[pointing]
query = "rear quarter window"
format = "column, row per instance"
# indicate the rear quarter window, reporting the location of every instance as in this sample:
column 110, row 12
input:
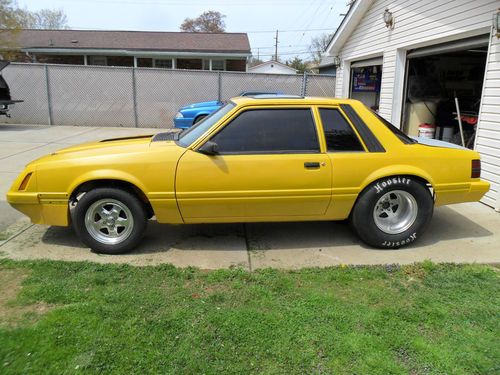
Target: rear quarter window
column 339, row 134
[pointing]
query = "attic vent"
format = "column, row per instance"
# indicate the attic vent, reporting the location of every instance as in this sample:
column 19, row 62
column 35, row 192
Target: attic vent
column 74, row 41
column 51, row 43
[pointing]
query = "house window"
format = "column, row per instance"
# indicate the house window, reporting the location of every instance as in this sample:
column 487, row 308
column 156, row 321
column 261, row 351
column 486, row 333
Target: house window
column 206, row 64
column 163, row 63
column 194, row 64
column 97, row 60
column 218, row 65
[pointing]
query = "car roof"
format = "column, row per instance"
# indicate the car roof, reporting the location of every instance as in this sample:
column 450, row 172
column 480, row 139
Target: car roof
column 288, row 99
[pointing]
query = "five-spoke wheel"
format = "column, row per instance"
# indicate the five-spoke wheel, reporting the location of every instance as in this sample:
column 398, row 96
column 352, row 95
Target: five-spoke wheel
column 109, row 220
column 392, row 212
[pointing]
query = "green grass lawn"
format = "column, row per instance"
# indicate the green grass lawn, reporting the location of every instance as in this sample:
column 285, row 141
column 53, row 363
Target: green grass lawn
column 58, row 317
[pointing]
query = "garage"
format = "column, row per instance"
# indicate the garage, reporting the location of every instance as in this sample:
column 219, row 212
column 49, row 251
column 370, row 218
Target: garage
column 443, row 85
column 440, row 68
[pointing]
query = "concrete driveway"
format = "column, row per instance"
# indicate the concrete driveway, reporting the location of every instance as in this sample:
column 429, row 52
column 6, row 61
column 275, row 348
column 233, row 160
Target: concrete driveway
column 462, row 233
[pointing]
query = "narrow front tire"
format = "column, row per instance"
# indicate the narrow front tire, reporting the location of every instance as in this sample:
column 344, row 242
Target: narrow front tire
column 109, row 220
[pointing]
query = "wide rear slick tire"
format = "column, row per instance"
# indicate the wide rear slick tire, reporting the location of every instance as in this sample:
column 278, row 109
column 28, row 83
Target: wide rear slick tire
column 109, row 220
column 392, row 212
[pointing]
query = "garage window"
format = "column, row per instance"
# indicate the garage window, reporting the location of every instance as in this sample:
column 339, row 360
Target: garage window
column 269, row 131
column 339, row 134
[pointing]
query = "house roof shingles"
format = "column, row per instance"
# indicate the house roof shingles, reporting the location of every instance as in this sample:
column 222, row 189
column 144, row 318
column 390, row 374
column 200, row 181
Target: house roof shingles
column 134, row 40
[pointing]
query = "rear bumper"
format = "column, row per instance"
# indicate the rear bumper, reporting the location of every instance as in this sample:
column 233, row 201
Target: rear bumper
column 459, row 193
column 49, row 209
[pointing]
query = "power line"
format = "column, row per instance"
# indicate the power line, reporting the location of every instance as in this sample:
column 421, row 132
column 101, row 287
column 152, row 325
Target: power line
column 247, row 32
column 175, row 2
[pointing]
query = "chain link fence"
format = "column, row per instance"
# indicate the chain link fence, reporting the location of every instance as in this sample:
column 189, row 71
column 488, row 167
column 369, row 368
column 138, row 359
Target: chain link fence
column 134, row 97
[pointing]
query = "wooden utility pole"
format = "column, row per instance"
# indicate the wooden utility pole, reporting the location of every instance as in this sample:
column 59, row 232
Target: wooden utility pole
column 276, row 47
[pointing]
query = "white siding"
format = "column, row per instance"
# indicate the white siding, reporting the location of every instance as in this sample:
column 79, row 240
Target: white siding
column 488, row 134
column 417, row 23
column 420, row 23
column 272, row 68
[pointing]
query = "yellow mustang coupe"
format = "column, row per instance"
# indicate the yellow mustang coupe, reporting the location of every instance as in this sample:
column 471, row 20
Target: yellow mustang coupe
column 256, row 159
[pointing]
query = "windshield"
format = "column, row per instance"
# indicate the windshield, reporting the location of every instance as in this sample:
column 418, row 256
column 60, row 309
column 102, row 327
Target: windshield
column 398, row 133
column 190, row 135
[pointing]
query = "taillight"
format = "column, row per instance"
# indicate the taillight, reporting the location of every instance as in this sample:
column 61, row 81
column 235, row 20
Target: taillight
column 476, row 169
column 25, row 182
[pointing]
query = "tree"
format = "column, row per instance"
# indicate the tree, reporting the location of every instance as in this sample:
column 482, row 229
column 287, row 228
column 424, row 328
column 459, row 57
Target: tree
column 253, row 61
column 318, row 46
column 208, row 22
column 13, row 19
column 10, row 25
column 298, row 64
column 44, row 19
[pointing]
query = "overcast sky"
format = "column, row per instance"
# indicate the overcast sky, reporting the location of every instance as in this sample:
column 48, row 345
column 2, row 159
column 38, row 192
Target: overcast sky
column 256, row 17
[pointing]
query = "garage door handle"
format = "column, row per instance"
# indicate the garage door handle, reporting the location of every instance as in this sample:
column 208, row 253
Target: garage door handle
column 311, row 165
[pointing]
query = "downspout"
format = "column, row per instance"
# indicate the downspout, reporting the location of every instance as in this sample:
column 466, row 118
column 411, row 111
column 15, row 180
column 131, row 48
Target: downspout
column 32, row 58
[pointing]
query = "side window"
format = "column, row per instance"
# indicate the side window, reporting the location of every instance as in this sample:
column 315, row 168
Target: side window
column 269, row 131
column 338, row 133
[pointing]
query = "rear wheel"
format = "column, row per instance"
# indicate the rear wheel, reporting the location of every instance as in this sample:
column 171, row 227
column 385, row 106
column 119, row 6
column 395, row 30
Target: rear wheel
column 392, row 212
column 110, row 221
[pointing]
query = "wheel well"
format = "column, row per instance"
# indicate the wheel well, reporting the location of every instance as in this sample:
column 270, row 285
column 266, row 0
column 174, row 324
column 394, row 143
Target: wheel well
column 422, row 180
column 198, row 116
column 117, row 184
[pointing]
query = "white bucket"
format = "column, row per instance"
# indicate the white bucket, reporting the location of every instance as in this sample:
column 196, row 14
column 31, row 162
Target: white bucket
column 426, row 130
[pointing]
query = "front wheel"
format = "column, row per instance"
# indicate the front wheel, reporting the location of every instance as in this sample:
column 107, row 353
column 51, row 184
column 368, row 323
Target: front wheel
column 109, row 221
column 392, row 212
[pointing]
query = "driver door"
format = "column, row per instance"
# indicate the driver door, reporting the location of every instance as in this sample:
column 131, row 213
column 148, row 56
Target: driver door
column 268, row 167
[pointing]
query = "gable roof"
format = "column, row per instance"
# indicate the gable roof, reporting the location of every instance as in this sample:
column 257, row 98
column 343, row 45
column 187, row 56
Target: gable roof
column 272, row 62
column 134, row 40
column 347, row 26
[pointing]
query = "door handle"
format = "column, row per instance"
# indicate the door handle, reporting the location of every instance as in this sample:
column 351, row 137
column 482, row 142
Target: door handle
column 311, row 165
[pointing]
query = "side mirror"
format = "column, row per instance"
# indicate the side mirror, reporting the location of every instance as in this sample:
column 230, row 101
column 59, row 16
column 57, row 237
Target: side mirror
column 209, row 148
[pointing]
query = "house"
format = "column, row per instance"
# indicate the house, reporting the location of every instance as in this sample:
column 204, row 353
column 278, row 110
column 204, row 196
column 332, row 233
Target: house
column 409, row 60
column 328, row 65
column 272, row 67
column 168, row 50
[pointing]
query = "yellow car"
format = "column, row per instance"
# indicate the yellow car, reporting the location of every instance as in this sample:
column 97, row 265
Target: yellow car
column 256, row 159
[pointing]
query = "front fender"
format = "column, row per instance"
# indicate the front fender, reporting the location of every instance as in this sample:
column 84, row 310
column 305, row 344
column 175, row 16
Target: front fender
column 106, row 174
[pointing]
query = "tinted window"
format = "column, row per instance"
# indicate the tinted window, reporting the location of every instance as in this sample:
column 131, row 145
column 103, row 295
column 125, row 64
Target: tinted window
column 190, row 135
column 269, row 131
column 338, row 133
column 398, row 133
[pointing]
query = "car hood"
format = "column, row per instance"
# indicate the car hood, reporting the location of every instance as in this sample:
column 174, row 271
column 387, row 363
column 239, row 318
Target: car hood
column 110, row 144
column 212, row 103
column 114, row 146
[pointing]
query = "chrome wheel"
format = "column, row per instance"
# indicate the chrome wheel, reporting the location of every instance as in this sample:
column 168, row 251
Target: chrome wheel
column 395, row 212
column 109, row 221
